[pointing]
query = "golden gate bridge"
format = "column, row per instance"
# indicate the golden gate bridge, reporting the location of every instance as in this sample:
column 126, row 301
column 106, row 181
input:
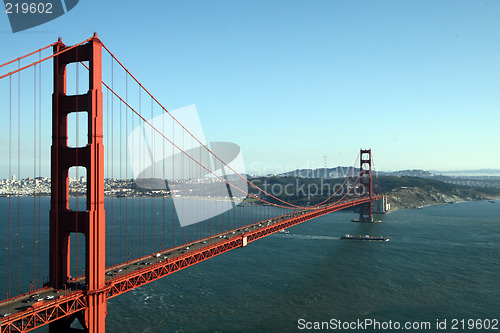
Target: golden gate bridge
column 117, row 257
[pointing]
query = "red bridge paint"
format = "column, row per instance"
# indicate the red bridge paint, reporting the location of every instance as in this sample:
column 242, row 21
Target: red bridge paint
column 64, row 221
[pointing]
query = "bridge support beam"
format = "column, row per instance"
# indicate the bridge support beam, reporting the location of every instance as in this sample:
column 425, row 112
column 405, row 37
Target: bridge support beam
column 64, row 221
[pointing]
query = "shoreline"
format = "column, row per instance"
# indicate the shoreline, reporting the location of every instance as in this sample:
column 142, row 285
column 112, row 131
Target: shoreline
column 493, row 198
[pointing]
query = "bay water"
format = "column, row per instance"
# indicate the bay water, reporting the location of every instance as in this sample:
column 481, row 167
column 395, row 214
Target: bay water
column 442, row 263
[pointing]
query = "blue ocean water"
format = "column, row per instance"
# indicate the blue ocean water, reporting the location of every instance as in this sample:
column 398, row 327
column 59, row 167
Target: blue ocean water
column 443, row 262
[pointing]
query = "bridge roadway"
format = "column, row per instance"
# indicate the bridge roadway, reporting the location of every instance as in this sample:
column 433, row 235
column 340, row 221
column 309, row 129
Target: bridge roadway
column 26, row 312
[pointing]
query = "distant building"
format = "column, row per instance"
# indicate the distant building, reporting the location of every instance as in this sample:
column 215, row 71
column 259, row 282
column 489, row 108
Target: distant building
column 381, row 206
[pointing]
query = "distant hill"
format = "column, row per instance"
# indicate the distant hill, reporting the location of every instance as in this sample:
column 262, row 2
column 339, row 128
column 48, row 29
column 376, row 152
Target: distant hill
column 403, row 192
column 325, row 173
column 407, row 173
column 471, row 178
column 341, row 172
column 413, row 192
column 476, row 172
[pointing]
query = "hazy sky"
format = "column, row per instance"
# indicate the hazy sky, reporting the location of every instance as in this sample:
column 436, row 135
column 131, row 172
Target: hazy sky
column 293, row 81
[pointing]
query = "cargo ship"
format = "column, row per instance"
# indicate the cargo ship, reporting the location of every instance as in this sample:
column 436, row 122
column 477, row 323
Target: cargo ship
column 365, row 237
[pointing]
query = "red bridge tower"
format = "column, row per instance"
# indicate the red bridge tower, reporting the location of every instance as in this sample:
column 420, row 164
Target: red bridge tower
column 365, row 176
column 64, row 221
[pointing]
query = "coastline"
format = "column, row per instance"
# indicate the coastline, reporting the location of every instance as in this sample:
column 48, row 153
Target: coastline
column 492, row 198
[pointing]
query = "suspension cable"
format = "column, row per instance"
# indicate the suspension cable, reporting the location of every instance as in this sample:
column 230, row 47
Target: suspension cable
column 27, row 55
column 46, row 58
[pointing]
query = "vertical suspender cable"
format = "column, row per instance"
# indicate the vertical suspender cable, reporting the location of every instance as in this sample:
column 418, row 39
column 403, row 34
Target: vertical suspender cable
column 238, row 216
column 126, row 182
column 133, row 202
column 120, row 253
column 201, row 202
column 141, row 221
column 112, row 182
column 163, row 182
column 191, row 212
column 141, row 200
column 152, row 175
column 209, row 197
column 201, row 199
column 19, row 176
column 34, row 177
column 183, row 239
column 39, row 164
column 139, row 188
column 122, row 183
column 171, row 187
column 10, row 185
